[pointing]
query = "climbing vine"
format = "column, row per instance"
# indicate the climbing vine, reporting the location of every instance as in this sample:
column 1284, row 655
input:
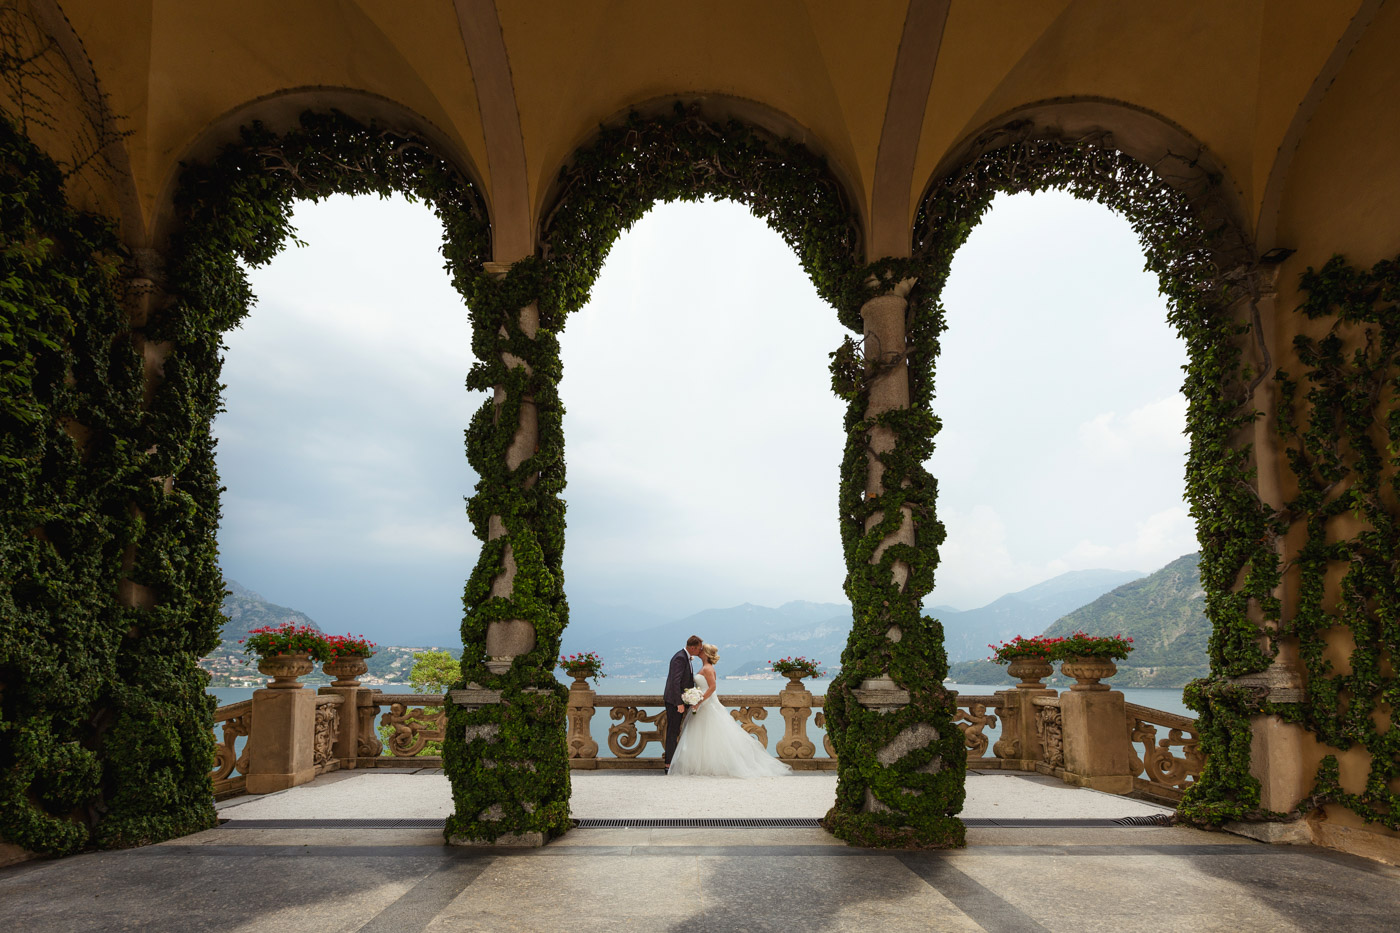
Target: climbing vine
column 237, row 210
column 1343, row 437
column 122, row 727
column 106, row 735
column 508, row 760
column 69, row 389
column 1204, row 269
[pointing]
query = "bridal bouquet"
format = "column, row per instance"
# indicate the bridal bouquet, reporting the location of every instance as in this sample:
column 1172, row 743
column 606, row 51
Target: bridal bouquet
column 691, row 696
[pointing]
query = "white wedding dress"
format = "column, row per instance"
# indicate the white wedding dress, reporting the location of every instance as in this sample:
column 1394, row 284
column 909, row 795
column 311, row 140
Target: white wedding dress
column 713, row 743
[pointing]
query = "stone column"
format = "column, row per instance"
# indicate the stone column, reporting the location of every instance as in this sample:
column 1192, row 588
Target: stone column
column 281, row 741
column 889, row 717
column 507, row 639
column 1277, row 756
column 884, row 318
column 504, row 749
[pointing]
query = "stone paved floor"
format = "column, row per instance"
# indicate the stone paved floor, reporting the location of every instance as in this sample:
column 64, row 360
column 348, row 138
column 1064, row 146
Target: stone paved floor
column 597, row 794
column 1076, row 880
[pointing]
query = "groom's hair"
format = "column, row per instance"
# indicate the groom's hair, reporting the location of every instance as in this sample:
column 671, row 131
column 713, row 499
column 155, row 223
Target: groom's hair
column 694, row 641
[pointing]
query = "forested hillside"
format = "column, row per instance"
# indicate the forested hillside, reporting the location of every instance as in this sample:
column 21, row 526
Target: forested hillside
column 1164, row 614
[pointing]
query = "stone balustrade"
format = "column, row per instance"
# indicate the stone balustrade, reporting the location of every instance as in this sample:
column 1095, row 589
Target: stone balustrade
column 1086, row 738
column 640, row 720
column 1158, row 772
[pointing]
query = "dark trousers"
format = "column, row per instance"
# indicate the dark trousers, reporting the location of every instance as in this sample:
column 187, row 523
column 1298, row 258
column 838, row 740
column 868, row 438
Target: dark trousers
column 674, row 720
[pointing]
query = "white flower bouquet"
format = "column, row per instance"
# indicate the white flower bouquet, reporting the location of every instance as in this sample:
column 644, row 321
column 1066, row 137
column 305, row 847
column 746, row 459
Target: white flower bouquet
column 691, row 696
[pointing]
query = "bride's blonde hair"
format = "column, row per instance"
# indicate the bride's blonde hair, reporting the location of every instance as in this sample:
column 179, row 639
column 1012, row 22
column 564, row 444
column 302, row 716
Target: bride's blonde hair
column 710, row 652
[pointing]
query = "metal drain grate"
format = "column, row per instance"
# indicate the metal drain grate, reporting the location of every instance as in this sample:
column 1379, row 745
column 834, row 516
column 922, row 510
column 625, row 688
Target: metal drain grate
column 756, row 822
column 1032, row 822
column 1158, row 819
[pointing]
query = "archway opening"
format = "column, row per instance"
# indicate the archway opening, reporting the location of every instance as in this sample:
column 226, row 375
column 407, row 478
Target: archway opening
column 1061, row 466
column 704, row 447
column 1192, row 240
column 340, row 442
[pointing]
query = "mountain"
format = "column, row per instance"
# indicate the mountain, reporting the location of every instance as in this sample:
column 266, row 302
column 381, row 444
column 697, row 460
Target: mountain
column 246, row 610
column 747, row 636
column 229, row 665
column 1164, row 614
column 636, row 643
column 967, row 634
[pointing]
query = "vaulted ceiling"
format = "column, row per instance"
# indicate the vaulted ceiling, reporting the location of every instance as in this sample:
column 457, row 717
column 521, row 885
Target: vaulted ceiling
column 886, row 89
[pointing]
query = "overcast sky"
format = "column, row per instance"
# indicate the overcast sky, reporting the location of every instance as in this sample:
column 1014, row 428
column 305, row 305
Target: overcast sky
column 703, row 441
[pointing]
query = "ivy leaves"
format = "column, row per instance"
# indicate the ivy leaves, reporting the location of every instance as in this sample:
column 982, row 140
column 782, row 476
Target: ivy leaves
column 1343, row 447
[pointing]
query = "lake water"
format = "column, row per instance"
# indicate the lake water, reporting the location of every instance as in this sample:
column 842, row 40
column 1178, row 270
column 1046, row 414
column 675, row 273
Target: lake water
column 1162, row 698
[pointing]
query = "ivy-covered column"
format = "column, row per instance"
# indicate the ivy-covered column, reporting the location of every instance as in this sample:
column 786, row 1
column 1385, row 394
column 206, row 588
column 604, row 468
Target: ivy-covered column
column 1277, row 740
column 901, row 758
column 505, row 751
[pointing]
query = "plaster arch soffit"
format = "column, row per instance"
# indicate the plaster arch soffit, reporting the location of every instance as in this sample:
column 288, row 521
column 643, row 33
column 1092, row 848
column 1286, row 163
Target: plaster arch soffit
column 512, row 237
column 910, row 85
column 1179, row 159
column 281, row 112
column 1267, row 225
column 51, row 18
column 765, row 120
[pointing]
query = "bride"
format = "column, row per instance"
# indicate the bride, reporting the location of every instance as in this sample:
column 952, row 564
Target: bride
column 713, row 742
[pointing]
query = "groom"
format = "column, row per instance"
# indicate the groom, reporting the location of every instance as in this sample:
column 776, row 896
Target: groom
column 678, row 679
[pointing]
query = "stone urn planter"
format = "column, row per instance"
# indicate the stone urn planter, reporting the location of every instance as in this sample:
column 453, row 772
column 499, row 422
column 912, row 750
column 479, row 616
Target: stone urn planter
column 284, row 669
column 1087, row 672
column 795, row 682
column 346, row 671
column 1030, row 671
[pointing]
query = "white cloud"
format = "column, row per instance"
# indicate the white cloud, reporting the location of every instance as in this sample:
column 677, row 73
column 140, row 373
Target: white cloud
column 703, row 441
column 1154, row 428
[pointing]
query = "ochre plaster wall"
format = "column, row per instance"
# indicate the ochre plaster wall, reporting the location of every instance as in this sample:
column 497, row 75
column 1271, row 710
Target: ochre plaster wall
column 575, row 67
column 172, row 68
column 1342, row 196
column 1231, row 75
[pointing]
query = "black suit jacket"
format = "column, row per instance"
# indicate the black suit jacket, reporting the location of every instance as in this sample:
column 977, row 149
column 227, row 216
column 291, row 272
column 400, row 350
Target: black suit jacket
column 678, row 679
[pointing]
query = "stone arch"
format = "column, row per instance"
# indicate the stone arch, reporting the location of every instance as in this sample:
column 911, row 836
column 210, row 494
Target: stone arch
column 231, row 206
column 92, row 134
column 1193, row 228
column 646, row 143
column 1168, row 152
column 718, row 110
column 508, row 721
column 281, row 113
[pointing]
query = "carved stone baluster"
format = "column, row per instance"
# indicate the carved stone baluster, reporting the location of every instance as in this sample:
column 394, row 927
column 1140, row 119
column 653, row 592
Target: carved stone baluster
column 1170, row 775
column 414, row 726
column 820, row 722
column 367, row 744
column 1049, row 730
column 1019, row 746
column 236, row 720
column 625, row 740
column 326, row 733
column 795, row 703
column 583, row 750
column 745, row 716
column 973, row 722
